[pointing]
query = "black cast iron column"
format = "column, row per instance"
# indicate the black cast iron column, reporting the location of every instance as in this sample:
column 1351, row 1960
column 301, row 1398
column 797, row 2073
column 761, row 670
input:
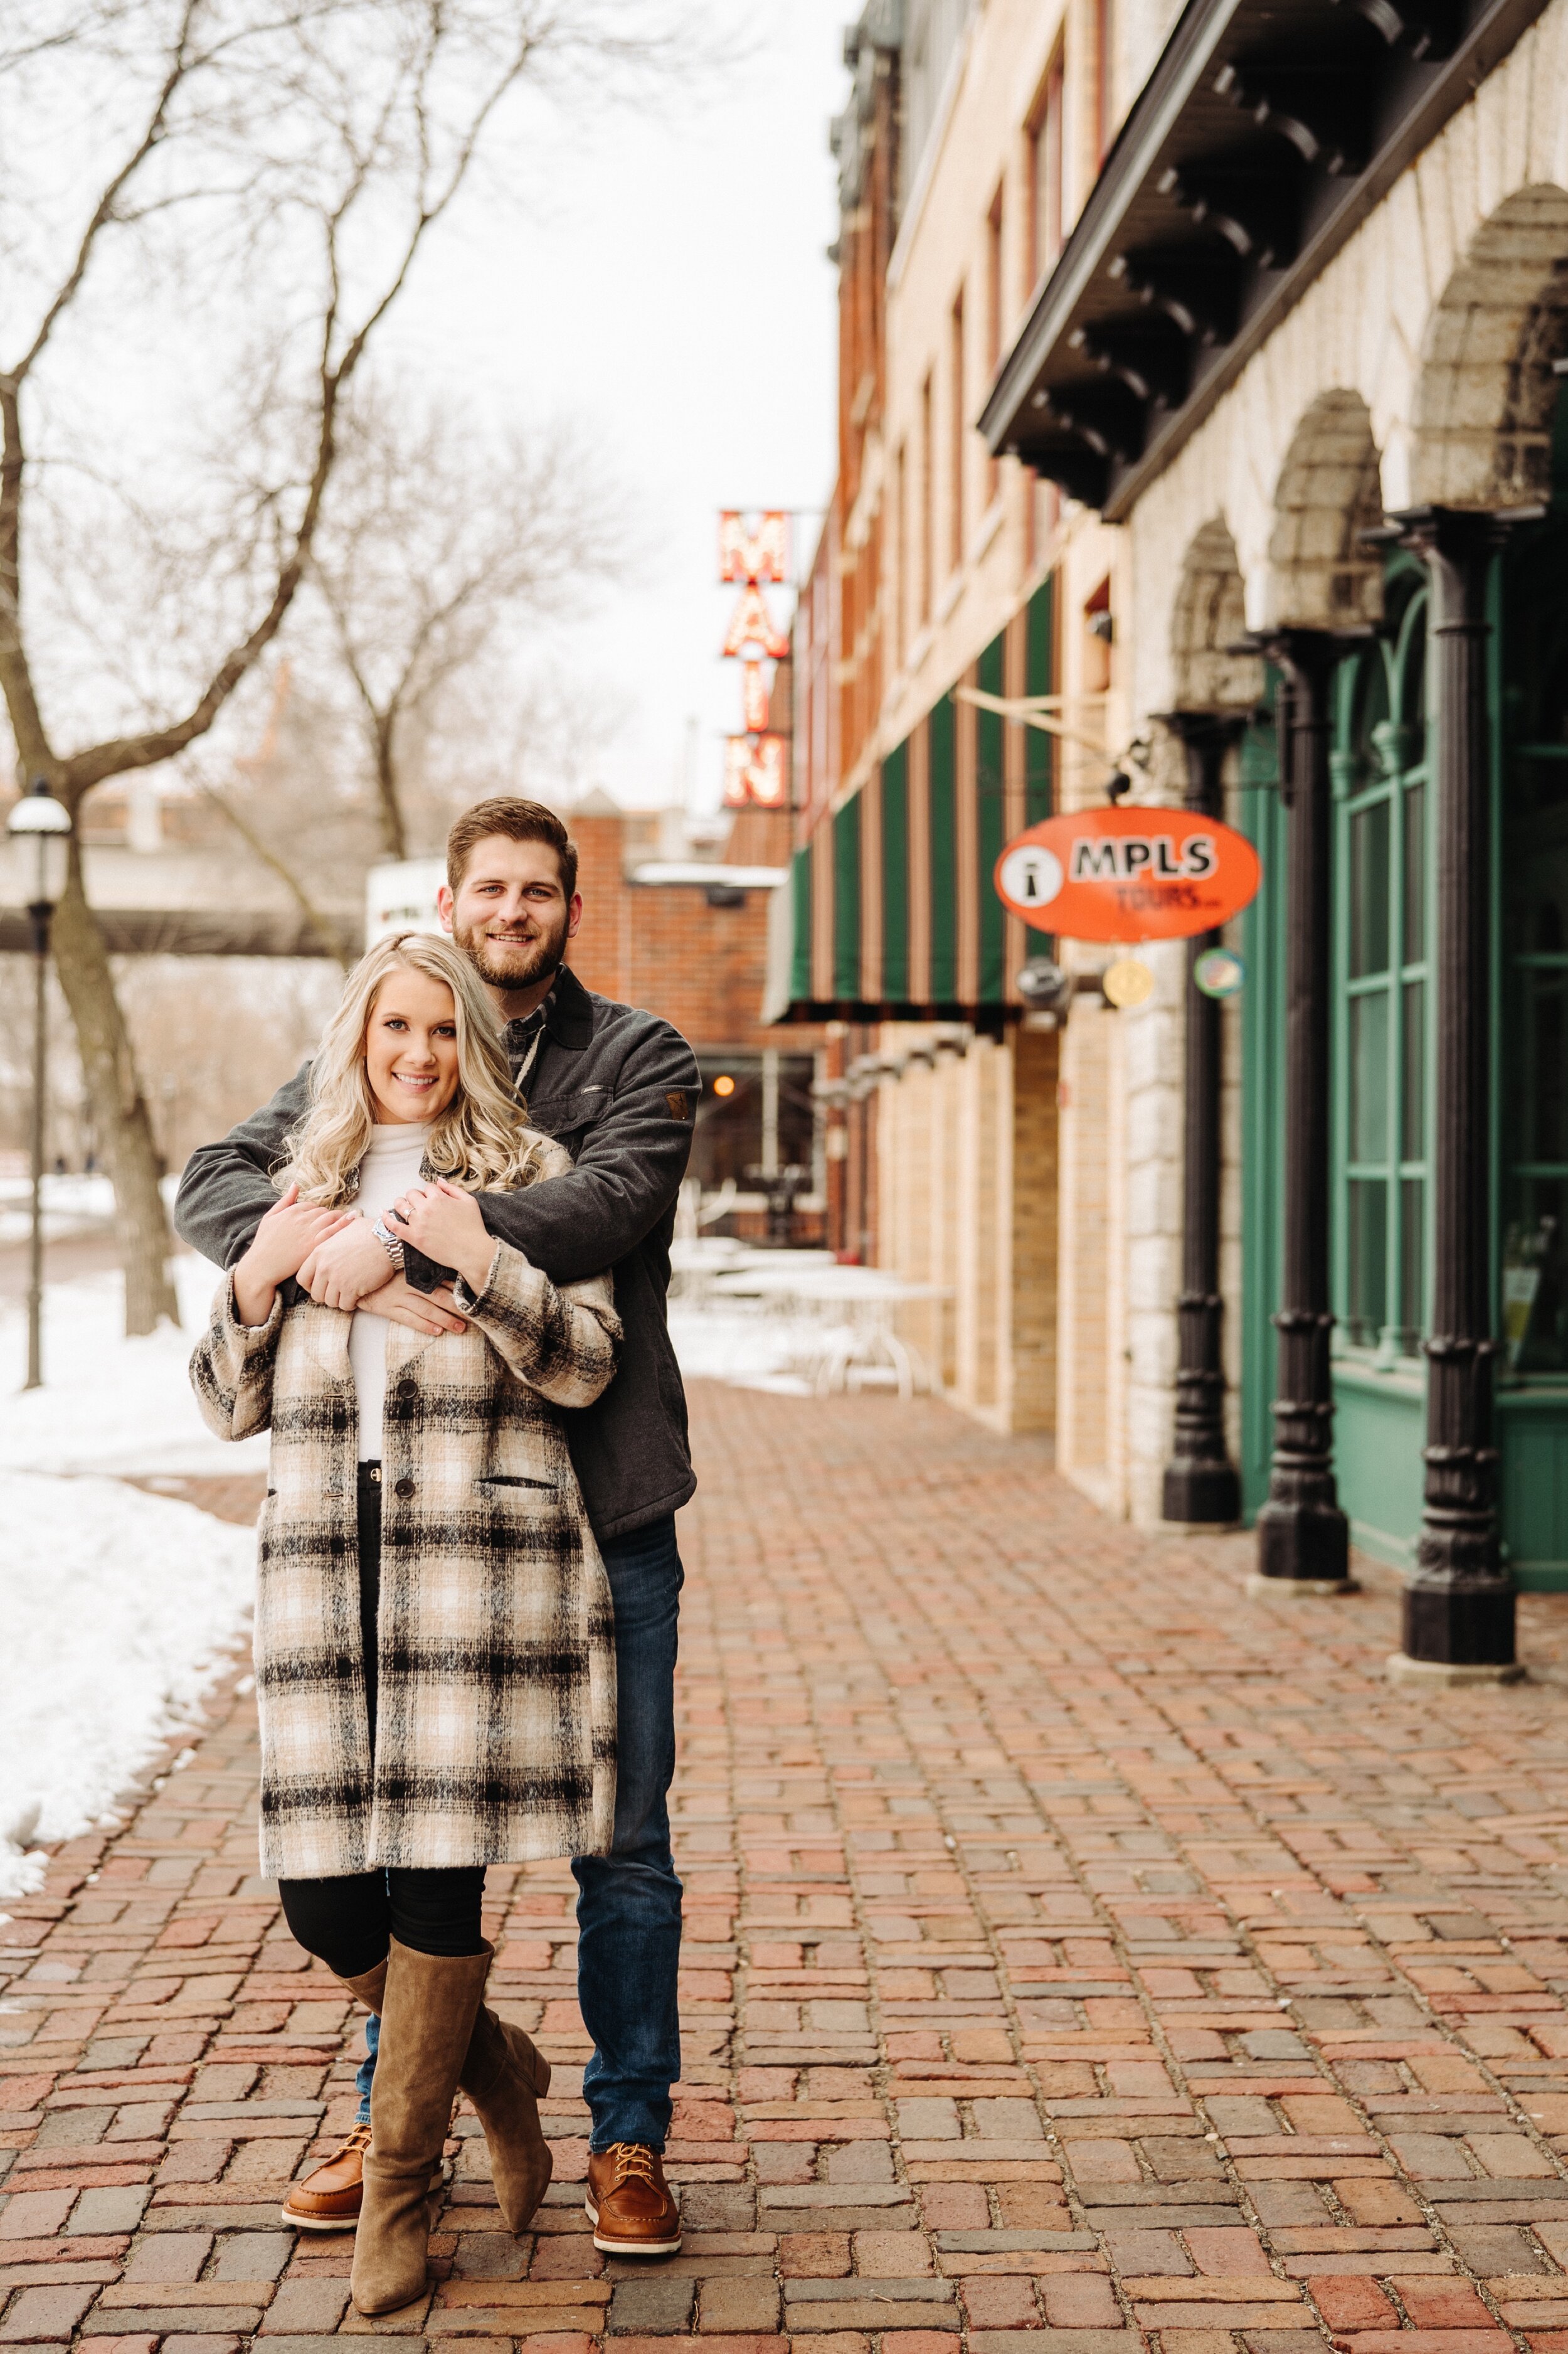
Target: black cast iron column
column 1459, row 1607
column 1303, row 1537
column 1200, row 1485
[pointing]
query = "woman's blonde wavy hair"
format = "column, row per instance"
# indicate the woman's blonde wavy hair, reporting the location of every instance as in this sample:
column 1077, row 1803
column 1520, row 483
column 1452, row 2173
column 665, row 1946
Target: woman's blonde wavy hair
column 479, row 1140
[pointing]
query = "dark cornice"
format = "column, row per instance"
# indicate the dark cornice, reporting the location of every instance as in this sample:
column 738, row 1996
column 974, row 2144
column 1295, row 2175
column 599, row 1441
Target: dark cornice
column 1263, row 138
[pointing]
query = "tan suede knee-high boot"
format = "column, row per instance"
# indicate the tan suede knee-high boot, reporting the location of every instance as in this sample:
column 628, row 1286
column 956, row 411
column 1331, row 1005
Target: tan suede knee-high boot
column 427, row 2010
column 506, row 2078
column 368, row 1988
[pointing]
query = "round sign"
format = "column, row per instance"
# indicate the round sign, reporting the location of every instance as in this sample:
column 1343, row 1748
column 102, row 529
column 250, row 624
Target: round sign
column 1126, row 982
column 1029, row 876
column 1219, row 973
column 1127, row 873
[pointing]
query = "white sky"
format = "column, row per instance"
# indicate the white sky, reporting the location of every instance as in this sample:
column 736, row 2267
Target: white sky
column 663, row 281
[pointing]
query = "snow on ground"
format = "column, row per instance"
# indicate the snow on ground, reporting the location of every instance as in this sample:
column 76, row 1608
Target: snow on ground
column 108, row 1404
column 118, row 1610
column 73, row 1206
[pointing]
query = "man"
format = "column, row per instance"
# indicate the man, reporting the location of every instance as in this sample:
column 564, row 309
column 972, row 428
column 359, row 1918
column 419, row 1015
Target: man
column 619, row 1088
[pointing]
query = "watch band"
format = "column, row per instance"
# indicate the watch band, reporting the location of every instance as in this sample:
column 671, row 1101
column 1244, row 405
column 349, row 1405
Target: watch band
column 388, row 1241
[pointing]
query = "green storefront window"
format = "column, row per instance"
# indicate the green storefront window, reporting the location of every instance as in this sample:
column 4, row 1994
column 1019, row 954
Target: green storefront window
column 1382, row 1042
column 1533, row 898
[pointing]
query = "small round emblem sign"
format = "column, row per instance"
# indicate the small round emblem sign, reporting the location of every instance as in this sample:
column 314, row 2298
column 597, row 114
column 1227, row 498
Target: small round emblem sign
column 1128, row 982
column 1219, row 973
column 1129, row 873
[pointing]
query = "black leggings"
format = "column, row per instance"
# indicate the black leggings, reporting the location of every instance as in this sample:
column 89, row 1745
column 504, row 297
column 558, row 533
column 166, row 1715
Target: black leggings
column 348, row 1921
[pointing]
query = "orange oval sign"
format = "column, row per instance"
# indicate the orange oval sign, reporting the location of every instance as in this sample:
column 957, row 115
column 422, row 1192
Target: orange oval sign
column 1127, row 874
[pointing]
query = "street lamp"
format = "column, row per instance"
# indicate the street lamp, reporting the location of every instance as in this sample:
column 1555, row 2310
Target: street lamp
column 40, row 828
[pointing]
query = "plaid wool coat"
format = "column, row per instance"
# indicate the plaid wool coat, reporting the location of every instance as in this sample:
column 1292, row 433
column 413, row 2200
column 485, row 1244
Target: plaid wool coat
column 495, row 1712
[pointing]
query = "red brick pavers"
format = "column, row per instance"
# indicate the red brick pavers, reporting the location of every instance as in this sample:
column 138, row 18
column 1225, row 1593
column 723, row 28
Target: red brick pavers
column 1078, row 1954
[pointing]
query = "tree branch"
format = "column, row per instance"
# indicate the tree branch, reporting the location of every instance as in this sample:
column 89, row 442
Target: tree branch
column 82, row 770
column 103, row 211
column 325, row 930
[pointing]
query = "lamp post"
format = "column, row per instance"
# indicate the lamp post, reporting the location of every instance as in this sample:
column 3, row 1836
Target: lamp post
column 40, row 828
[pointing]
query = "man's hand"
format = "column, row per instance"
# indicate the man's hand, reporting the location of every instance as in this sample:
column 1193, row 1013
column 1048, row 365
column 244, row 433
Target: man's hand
column 422, row 1311
column 346, row 1266
column 290, row 1232
column 445, row 1224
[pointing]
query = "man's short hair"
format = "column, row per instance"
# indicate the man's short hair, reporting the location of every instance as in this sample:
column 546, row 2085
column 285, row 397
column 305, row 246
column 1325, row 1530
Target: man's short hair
column 519, row 820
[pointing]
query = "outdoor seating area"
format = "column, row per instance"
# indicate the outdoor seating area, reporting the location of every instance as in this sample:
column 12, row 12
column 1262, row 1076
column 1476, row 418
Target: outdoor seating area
column 795, row 1321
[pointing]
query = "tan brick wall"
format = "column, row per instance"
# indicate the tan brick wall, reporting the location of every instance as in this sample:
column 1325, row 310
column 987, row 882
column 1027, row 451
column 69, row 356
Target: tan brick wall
column 968, row 1169
column 1032, row 1295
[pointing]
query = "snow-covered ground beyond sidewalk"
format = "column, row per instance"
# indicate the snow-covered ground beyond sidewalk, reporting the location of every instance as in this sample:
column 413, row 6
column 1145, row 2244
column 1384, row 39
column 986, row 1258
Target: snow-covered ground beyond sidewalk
column 118, row 1610
column 108, row 1404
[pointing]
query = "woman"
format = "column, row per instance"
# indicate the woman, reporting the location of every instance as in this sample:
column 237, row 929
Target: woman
column 434, row 1636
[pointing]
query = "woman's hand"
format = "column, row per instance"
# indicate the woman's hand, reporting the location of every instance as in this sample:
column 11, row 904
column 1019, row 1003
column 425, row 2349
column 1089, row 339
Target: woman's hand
column 445, row 1223
column 288, row 1233
column 421, row 1311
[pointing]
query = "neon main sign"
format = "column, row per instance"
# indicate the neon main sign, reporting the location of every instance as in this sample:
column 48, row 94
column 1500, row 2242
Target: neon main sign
column 754, row 555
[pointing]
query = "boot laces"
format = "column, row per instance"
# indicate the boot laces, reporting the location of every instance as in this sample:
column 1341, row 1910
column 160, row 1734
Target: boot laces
column 633, row 2163
column 359, row 2138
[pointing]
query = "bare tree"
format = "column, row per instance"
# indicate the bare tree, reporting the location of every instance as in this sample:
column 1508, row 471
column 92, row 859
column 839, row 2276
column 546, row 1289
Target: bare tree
column 436, row 543
column 262, row 177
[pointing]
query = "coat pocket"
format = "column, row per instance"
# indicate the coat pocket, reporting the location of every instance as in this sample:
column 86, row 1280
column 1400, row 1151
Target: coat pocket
column 512, row 1480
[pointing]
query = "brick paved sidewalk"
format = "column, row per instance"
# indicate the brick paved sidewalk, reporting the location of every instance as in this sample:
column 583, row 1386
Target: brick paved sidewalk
column 1076, row 1951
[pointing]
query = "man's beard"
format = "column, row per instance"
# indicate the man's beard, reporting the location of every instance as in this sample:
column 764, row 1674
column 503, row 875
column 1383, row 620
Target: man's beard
column 510, row 964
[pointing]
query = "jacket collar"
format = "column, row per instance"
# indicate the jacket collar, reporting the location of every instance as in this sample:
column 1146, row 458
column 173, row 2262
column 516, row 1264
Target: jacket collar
column 568, row 1013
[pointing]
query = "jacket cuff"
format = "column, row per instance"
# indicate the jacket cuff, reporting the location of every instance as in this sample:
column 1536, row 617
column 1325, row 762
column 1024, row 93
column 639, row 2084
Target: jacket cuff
column 467, row 1298
column 247, row 1338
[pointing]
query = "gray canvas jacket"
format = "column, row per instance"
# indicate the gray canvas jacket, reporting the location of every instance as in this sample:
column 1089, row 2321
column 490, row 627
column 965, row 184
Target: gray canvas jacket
column 619, row 1088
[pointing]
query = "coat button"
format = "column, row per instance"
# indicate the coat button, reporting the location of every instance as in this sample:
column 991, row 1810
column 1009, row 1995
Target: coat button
column 408, row 1389
column 404, row 1488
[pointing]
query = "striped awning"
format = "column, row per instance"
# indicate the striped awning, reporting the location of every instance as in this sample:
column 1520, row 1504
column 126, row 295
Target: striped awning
column 893, row 912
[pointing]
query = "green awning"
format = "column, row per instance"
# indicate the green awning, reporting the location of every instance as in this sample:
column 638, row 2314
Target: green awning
column 892, row 913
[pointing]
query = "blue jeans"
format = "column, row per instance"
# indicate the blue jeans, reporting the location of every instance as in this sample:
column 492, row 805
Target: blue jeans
column 628, row 1902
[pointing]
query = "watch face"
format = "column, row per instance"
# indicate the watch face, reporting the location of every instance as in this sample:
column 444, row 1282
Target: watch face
column 1128, row 982
column 1219, row 973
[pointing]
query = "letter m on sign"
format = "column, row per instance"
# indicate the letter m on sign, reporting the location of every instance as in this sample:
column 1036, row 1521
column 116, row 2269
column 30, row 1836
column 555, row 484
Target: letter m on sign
column 1093, row 859
column 754, row 556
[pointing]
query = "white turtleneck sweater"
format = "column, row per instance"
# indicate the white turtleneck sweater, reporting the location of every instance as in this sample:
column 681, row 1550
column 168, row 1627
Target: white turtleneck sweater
column 391, row 1164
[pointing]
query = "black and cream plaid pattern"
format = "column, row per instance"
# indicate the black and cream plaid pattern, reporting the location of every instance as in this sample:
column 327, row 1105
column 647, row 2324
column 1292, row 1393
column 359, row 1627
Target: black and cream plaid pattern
column 495, row 1717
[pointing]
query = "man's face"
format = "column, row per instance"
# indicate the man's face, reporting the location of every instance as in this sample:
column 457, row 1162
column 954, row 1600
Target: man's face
column 509, row 914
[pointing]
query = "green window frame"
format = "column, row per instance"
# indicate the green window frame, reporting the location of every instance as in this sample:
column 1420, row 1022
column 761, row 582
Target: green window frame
column 1530, row 872
column 990, row 672
column 1384, row 1033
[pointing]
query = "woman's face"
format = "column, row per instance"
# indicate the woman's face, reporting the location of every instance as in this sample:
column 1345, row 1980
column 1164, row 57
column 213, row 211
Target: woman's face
column 410, row 1047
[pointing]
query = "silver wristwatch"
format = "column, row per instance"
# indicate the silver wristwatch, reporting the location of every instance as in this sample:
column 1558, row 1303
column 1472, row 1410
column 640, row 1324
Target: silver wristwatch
column 388, row 1241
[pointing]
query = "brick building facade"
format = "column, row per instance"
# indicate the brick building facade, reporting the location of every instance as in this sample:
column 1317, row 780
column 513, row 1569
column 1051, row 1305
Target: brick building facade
column 675, row 919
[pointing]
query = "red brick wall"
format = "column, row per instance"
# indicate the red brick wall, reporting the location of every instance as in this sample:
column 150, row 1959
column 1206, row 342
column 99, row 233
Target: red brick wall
column 661, row 946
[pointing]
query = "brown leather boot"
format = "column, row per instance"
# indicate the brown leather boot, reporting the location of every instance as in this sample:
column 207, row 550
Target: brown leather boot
column 328, row 2198
column 427, row 2011
column 506, row 2078
column 630, row 2204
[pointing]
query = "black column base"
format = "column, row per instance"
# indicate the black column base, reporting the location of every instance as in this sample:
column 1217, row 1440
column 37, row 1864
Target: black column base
column 1461, row 1623
column 1302, row 1541
column 1206, row 1494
